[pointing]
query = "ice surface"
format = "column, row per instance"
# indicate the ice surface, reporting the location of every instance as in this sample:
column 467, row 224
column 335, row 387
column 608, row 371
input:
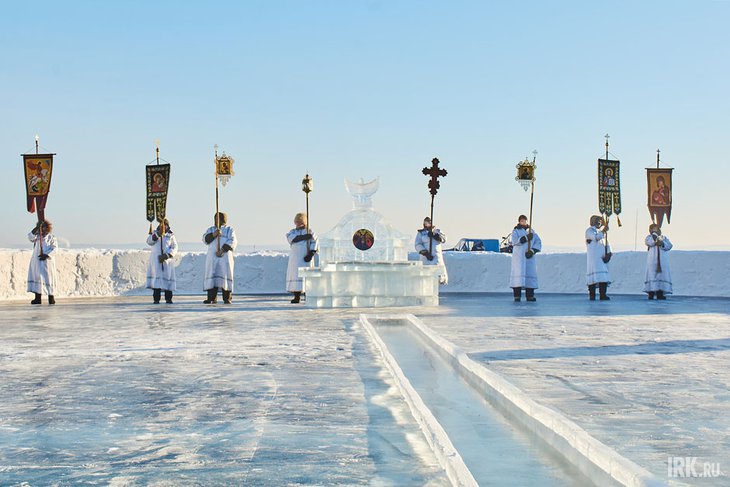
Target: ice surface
column 649, row 379
column 260, row 392
column 124, row 392
column 495, row 451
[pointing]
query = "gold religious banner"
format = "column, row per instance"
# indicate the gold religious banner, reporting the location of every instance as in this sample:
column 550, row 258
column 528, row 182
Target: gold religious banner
column 526, row 173
column 224, row 168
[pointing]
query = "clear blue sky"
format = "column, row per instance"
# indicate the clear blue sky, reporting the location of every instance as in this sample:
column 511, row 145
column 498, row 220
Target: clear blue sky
column 364, row 89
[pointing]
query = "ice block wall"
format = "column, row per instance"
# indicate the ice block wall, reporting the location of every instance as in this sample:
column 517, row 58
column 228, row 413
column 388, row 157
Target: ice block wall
column 123, row 272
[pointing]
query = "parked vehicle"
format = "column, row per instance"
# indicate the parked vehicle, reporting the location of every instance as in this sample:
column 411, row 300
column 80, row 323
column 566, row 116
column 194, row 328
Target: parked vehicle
column 505, row 246
column 475, row 245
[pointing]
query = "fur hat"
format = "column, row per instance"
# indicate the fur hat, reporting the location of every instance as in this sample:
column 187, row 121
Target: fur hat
column 222, row 217
column 596, row 219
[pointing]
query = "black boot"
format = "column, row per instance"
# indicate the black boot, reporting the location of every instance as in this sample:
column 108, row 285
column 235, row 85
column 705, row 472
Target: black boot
column 227, row 297
column 530, row 294
column 651, row 294
column 212, row 296
column 592, row 292
column 51, row 299
column 660, row 295
column 602, row 288
column 156, row 295
column 297, row 297
column 168, row 297
column 37, row 299
column 517, row 293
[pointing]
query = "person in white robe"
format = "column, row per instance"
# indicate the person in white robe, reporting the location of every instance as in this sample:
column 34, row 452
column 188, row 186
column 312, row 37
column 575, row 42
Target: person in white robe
column 219, row 260
column 432, row 253
column 160, row 269
column 597, row 256
column 658, row 278
column 523, row 273
column 303, row 245
column 42, row 268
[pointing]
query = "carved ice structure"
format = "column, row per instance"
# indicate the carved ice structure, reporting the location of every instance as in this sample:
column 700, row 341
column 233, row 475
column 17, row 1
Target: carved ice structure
column 363, row 262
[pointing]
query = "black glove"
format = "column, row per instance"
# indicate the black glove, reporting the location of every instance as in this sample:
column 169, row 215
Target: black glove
column 162, row 258
column 209, row 238
column 309, row 256
column 301, row 238
column 529, row 254
column 43, row 256
column 423, row 252
column 523, row 239
column 429, row 256
column 226, row 248
column 588, row 240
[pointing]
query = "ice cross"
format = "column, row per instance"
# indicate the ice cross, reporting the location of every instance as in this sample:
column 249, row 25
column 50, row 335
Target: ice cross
column 434, row 171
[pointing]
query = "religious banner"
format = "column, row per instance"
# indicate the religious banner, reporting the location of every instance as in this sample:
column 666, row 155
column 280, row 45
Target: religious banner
column 659, row 194
column 609, row 187
column 38, row 170
column 224, row 168
column 158, row 179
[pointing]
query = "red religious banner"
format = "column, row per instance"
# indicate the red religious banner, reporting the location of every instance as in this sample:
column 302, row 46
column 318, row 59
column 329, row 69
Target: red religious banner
column 659, row 194
column 38, row 171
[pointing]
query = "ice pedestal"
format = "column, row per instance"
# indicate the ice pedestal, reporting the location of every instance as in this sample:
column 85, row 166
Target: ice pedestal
column 364, row 262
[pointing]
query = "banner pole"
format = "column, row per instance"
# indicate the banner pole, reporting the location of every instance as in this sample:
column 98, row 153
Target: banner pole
column 217, row 218
column 162, row 217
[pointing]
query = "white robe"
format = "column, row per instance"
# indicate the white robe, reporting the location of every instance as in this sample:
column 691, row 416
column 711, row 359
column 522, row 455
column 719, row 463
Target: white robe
column 421, row 243
column 658, row 281
column 596, row 269
column 161, row 276
column 219, row 270
column 297, row 252
column 524, row 270
column 42, row 273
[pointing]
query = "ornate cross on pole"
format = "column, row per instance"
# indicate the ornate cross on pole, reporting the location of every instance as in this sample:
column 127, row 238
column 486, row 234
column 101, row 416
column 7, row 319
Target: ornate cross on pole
column 433, row 185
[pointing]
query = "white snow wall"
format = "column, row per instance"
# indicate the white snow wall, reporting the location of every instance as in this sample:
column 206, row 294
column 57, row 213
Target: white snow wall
column 123, row 272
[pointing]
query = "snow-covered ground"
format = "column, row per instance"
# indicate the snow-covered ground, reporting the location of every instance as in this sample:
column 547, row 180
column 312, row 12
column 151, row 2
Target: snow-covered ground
column 122, row 272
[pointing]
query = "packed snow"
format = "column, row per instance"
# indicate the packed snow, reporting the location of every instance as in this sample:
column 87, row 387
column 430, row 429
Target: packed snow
column 123, row 272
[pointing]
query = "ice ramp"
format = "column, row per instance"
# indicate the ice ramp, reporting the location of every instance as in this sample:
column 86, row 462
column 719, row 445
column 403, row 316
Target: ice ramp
column 483, row 429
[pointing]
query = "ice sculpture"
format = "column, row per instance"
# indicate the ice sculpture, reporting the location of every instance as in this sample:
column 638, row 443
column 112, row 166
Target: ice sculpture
column 363, row 262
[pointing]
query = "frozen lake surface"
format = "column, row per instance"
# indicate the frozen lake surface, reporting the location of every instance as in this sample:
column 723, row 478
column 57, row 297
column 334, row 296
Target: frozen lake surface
column 121, row 391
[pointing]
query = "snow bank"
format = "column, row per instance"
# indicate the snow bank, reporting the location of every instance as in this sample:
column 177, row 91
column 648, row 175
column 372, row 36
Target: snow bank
column 123, row 272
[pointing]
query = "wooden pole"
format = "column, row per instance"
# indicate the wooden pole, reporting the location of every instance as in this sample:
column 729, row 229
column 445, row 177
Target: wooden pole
column 217, row 211
column 430, row 240
column 605, row 222
column 162, row 217
column 659, row 249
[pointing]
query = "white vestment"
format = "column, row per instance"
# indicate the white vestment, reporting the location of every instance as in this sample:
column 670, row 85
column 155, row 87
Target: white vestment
column 42, row 273
column 524, row 270
column 219, row 270
column 422, row 243
column 658, row 281
column 297, row 252
column 161, row 276
column 596, row 269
